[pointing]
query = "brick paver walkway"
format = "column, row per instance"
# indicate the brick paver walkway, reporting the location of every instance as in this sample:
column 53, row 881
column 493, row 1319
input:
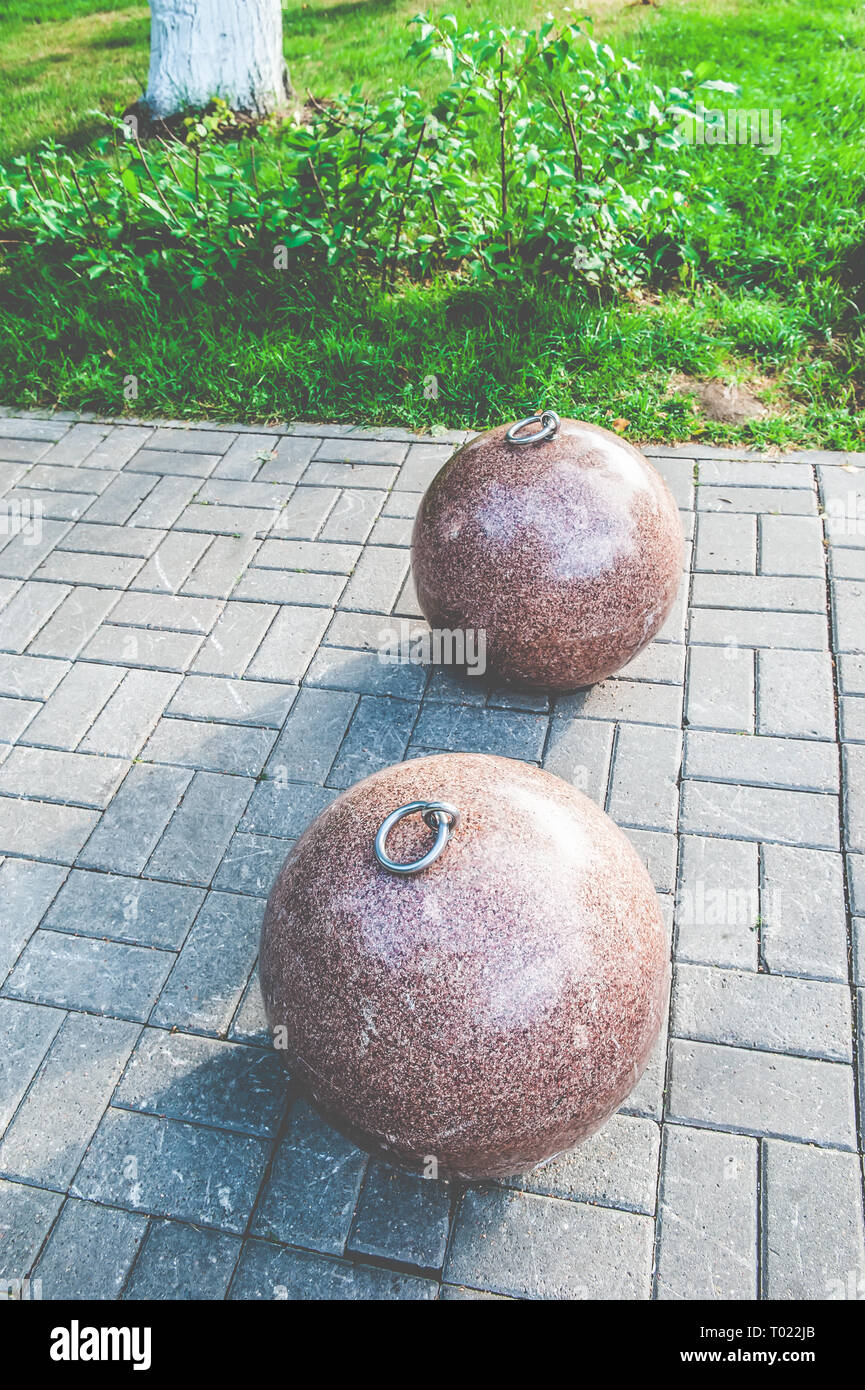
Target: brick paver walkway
column 189, row 673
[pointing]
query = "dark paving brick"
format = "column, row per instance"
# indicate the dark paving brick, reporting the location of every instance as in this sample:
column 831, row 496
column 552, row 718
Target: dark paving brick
column 206, row 1176
column 53, row 1125
column 205, row 985
column 76, row 972
column 26, row 1214
column 89, row 1252
column 251, row 864
column 205, row 1081
column 28, row 1031
column 26, row 891
column 133, row 910
column 313, row 1186
column 402, row 1218
column 273, row 1272
column 197, row 837
column 181, row 1262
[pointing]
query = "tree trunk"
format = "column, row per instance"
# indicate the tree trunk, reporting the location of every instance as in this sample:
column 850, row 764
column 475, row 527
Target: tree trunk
column 200, row 49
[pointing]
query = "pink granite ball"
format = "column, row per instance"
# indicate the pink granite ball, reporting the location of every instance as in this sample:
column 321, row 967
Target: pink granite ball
column 567, row 553
column 488, row 1012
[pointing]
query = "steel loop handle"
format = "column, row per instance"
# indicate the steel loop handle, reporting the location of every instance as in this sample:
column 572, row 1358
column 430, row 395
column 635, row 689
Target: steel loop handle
column 440, row 816
column 548, row 420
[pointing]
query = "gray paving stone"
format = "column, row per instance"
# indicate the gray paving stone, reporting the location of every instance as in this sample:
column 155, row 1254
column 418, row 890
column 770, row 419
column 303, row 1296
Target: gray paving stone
column 290, row 586
column 290, row 644
column 164, row 500
column 580, row 752
column 191, row 440
column 859, row 961
column 771, row 762
column 726, row 544
column 647, row 1097
column 352, row 516
column 40, row 431
column 313, row 556
column 812, row 1223
column 251, row 864
column 246, row 456
column 192, row 847
column 644, row 788
column 402, row 1217
column 78, row 445
column 762, row 1093
column 27, row 612
column 708, row 1216
column 792, row 545
column 133, row 910
column 856, row 870
column 377, row 579
column 23, row 450
column 89, row 1252
column 289, row 461
column 421, row 465
column 96, row 975
column 121, row 499
column 539, row 1247
column 760, row 473
column 852, row 719
column 261, row 703
column 216, row 519
column 617, row 1167
column 234, row 493
column 52, row 775
column 637, row 702
column 313, row 734
column 378, row 736
column 141, row 647
column 848, row 615
column 511, row 734
column 68, row 479
column 22, row 556
column 30, row 677
column 784, row 501
column 229, row 748
column 174, row 462
column 27, row 890
column 131, row 713
column 211, row 972
column 74, row 622
column 760, row 813
column 168, row 1168
column 770, row 1012
column 235, row 639
column 78, row 700
column 104, row 571
column 106, row 539
column 804, row 920
column 337, row 668
column 732, row 627
column 718, row 903
column 176, row 614
column 223, row 563
column 273, row 1272
column 848, row 564
column 133, row 824
column 312, row 1190
column 658, row 852
column 172, row 563
column 54, row 1124
column 180, row 1262
column 360, row 451
column 721, row 688
column 205, row 1081
column 54, row 831
column 26, row 1216
column 28, row 1032
column 795, row 694
column 662, row 662
column 57, row 506
column 284, row 809
column 15, row 715
column 306, row 512
column 853, row 776
column 116, row 449
column 249, row 1024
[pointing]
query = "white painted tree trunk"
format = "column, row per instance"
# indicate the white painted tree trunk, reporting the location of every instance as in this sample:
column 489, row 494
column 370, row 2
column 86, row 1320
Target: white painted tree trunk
column 200, row 49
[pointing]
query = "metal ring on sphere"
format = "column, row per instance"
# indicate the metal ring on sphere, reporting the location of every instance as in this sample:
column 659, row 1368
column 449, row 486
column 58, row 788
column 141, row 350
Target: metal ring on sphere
column 549, row 421
column 438, row 815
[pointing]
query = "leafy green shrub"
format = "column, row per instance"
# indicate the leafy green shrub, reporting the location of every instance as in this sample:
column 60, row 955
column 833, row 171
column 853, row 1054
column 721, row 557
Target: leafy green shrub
column 545, row 154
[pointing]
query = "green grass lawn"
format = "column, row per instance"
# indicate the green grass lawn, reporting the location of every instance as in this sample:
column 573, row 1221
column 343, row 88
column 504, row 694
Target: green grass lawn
column 775, row 303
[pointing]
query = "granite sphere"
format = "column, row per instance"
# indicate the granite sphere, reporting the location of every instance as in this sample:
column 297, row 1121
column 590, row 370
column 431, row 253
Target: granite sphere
column 487, row 1013
column 566, row 553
